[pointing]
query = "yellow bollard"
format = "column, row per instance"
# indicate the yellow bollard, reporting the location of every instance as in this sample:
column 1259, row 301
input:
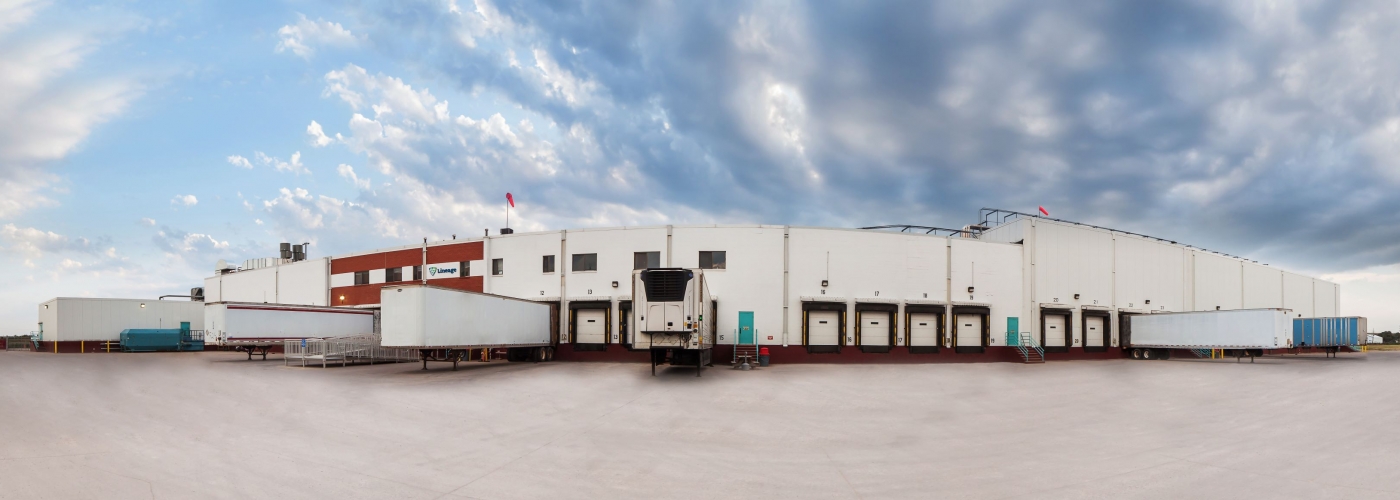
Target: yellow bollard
column 82, row 346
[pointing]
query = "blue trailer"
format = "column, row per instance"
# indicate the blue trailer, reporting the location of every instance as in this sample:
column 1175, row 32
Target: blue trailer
column 1329, row 333
column 162, row 339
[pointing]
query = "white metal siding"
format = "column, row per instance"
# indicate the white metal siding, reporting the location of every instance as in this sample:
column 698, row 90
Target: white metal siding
column 1325, row 299
column 1298, row 295
column 1263, row 286
column 1249, row 328
column 1148, row 270
column 1073, row 260
column 84, row 319
column 254, row 323
column 1217, row 282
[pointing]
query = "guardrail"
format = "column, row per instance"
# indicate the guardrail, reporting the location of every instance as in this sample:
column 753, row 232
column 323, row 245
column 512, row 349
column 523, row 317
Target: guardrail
column 344, row 351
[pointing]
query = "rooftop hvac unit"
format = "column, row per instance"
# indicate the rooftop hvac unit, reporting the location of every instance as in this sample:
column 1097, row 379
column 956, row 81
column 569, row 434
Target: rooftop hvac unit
column 507, row 231
column 197, row 294
column 286, row 250
column 298, row 253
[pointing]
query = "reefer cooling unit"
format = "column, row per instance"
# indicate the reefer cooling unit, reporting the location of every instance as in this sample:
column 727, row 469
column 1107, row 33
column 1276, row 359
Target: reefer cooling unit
column 668, row 308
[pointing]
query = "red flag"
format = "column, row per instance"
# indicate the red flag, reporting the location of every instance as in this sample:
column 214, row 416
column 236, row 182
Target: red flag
column 1042, row 210
column 511, row 199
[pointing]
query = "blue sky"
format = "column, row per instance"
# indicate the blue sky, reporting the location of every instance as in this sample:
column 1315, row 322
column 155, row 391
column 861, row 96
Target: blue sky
column 147, row 140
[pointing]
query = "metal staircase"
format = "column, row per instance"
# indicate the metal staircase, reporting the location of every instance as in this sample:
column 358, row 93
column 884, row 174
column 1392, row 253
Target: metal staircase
column 742, row 351
column 1203, row 353
column 1357, row 348
column 1026, row 346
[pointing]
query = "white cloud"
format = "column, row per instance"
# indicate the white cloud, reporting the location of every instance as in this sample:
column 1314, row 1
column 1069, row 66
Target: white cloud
column 348, row 172
column 258, row 221
column 318, row 136
column 34, row 243
column 303, row 37
column 239, row 161
column 293, row 165
column 187, row 200
column 50, row 100
column 148, row 222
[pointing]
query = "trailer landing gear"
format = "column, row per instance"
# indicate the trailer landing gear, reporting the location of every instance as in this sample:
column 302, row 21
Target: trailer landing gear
column 258, row 349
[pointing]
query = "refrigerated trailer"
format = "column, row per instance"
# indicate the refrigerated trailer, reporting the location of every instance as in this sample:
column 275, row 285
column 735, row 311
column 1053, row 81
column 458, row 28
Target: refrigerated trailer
column 669, row 306
column 1239, row 332
column 255, row 328
column 446, row 324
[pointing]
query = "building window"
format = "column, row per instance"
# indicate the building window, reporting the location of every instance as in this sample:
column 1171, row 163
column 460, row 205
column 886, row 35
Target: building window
column 549, row 263
column 393, row 274
column 646, row 260
column 585, row 262
column 361, row 277
column 498, row 267
column 417, row 273
column 464, row 269
column 711, row 260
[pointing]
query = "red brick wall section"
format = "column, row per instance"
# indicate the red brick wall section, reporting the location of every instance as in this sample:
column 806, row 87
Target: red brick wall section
column 455, row 252
column 369, row 294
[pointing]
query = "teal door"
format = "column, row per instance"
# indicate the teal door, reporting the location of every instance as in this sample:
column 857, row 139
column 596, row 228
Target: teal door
column 746, row 327
column 1013, row 331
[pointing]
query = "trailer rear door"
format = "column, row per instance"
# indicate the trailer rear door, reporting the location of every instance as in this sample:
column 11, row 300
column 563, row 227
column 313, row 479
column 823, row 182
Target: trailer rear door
column 969, row 328
column 923, row 329
column 823, row 328
column 592, row 326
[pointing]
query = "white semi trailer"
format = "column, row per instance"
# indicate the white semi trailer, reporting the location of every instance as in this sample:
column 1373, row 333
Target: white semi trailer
column 446, row 324
column 255, row 328
column 1239, row 332
column 669, row 307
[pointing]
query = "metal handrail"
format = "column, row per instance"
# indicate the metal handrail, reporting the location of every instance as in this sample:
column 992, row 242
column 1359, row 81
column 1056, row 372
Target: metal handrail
column 1001, row 216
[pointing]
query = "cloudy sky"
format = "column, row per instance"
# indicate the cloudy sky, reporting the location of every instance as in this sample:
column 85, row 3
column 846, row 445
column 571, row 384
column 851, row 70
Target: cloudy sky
column 146, row 140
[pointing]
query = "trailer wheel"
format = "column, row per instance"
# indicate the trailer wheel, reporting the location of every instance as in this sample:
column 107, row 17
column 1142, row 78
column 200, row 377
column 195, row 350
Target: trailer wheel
column 1164, row 354
column 1149, row 354
column 541, row 354
column 1137, row 353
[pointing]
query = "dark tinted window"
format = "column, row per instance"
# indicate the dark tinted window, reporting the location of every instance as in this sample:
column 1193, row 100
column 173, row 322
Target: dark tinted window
column 646, row 260
column 464, row 269
column 585, row 262
column 361, row 277
column 498, row 267
column 711, row 260
column 417, row 273
column 393, row 274
column 549, row 263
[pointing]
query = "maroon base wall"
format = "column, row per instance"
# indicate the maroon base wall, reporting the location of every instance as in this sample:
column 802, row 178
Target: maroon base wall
column 614, row 353
column 95, row 346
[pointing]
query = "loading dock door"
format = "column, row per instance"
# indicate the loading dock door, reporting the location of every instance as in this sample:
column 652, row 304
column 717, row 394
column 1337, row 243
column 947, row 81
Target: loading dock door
column 592, row 326
column 875, row 329
column 1093, row 331
column 969, row 328
column 1055, row 331
column 823, row 328
column 923, row 329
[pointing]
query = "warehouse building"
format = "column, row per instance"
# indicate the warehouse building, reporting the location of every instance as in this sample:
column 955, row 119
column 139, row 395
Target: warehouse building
column 896, row 294
column 84, row 324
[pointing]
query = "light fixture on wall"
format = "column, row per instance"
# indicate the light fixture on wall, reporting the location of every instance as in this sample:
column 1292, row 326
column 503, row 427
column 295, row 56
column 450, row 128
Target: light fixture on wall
column 342, row 298
column 1217, row 308
column 825, row 283
column 143, row 305
column 969, row 289
column 1148, row 301
column 46, row 306
column 1076, row 296
column 614, row 284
